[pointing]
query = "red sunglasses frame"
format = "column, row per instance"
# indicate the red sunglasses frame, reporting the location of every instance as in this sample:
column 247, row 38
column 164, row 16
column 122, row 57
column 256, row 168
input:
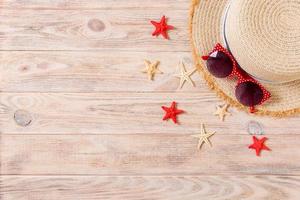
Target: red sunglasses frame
column 240, row 74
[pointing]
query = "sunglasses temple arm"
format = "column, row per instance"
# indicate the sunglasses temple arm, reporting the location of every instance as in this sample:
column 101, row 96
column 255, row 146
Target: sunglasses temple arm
column 204, row 57
column 252, row 109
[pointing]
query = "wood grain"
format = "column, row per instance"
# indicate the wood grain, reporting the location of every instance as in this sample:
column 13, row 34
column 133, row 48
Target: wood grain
column 149, row 188
column 79, row 121
column 95, row 4
column 145, row 154
column 125, row 113
column 91, row 72
column 110, row 30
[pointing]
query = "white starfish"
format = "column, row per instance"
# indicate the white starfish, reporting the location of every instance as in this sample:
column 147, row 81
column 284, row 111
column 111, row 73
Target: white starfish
column 151, row 69
column 203, row 137
column 222, row 111
column 185, row 76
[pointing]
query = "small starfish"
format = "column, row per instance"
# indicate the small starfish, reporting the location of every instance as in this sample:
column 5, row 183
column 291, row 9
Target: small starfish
column 151, row 69
column 258, row 145
column 172, row 112
column 203, row 137
column 222, row 111
column 161, row 28
column 185, row 76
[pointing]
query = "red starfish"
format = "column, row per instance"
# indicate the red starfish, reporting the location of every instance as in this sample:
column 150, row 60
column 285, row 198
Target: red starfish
column 258, row 145
column 161, row 28
column 172, row 112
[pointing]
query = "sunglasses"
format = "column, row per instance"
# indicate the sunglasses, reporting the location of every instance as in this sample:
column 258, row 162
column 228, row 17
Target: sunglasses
column 249, row 92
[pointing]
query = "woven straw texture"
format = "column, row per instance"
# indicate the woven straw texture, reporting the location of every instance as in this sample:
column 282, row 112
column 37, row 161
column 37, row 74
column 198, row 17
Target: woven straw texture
column 206, row 18
column 269, row 31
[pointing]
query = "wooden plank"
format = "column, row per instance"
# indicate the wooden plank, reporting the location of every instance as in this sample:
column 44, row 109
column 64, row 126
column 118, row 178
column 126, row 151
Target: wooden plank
column 109, row 30
column 94, row 4
column 91, row 72
column 146, row 154
column 123, row 113
column 147, row 188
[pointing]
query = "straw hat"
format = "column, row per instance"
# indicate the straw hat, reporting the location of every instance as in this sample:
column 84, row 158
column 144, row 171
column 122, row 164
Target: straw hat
column 264, row 38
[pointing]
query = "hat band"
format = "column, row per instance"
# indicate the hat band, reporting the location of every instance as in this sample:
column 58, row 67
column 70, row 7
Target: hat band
column 223, row 28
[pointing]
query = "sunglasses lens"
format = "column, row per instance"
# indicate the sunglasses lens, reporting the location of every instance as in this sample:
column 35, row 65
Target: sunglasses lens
column 249, row 93
column 219, row 64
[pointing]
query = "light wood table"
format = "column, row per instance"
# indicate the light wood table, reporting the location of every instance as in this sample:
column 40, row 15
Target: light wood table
column 78, row 119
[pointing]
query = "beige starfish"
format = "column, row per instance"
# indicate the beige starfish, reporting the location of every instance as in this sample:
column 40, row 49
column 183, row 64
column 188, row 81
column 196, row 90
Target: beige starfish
column 203, row 137
column 151, row 69
column 185, row 76
column 222, row 111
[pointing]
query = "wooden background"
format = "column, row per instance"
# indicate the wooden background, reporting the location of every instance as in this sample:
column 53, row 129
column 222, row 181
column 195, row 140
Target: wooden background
column 92, row 128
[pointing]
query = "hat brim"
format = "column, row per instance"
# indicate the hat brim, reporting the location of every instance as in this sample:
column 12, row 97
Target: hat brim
column 205, row 31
